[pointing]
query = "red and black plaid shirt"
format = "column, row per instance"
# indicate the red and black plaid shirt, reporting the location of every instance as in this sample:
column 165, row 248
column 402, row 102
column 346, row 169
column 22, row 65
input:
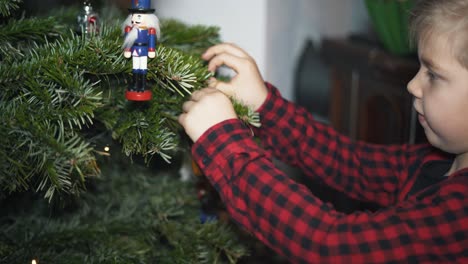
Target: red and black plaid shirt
column 426, row 226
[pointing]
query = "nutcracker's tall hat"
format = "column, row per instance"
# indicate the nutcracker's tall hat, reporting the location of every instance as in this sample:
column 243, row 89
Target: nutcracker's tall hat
column 141, row 6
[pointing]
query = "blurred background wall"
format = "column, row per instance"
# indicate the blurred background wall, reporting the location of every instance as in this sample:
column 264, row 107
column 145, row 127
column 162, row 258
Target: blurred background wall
column 274, row 32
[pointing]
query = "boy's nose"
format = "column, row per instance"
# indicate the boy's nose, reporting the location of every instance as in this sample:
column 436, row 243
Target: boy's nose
column 413, row 87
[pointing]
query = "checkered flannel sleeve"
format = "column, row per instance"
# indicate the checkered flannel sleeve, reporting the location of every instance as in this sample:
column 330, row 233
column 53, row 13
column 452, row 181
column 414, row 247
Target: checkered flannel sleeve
column 366, row 172
column 291, row 220
column 288, row 218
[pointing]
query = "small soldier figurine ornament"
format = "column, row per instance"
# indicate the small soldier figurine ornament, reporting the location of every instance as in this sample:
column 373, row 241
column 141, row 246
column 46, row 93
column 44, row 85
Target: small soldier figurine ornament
column 141, row 30
column 88, row 20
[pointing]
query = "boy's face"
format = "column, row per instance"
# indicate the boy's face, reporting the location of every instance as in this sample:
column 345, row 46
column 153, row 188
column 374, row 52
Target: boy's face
column 440, row 91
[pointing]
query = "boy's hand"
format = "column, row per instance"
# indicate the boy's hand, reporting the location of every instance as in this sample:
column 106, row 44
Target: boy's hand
column 247, row 86
column 206, row 108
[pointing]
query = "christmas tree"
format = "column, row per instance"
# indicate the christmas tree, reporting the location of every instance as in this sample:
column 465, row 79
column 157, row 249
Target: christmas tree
column 72, row 187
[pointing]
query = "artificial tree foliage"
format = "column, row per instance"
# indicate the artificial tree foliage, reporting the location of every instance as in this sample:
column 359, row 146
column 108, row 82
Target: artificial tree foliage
column 66, row 199
column 128, row 215
column 56, row 86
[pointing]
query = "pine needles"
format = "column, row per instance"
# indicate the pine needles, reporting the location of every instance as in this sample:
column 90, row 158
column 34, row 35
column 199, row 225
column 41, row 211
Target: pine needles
column 61, row 102
column 57, row 89
column 7, row 6
column 129, row 215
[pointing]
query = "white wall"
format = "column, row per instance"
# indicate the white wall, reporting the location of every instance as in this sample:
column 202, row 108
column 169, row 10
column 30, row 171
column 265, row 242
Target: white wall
column 271, row 31
column 241, row 21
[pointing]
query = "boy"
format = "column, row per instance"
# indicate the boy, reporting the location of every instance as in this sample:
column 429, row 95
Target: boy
column 422, row 189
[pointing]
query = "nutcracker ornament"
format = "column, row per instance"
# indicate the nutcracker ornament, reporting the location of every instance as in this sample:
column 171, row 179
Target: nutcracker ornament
column 88, row 20
column 141, row 29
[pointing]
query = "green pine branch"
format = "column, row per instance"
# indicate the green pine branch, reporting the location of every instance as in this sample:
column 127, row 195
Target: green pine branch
column 192, row 40
column 7, row 6
column 58, row 89
column 61, row 102
column 130, row 215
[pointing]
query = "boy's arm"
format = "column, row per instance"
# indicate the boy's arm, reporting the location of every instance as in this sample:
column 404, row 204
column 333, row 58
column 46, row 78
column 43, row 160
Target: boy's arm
column 363, row 171
column 293, row 222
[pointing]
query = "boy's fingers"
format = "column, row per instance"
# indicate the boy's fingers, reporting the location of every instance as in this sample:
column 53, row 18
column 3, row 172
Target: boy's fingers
column 197, row 95
column 187, row 106
column 212, row 82
column 181, row 119
column 225, row 88
column 227, row 59
column 224, row 48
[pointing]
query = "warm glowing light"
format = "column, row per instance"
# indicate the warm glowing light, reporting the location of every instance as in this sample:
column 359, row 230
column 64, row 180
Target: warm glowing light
column 33, row 261
column 106, row 149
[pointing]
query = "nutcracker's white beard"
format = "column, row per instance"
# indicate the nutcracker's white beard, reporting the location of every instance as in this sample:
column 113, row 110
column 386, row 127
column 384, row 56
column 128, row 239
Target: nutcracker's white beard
column 151, row 20
column 130, row 38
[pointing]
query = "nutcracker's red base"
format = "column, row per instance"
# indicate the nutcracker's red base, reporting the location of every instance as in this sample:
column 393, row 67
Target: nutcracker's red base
column 138, row 96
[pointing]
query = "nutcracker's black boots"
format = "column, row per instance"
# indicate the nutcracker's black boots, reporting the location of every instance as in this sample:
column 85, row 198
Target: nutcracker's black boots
column 142, row 82
column 139, row 82
column 134, row 85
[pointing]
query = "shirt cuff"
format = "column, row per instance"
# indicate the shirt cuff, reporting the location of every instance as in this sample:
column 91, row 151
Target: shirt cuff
column 214, row 150
column 273, row 109
column 273, row 95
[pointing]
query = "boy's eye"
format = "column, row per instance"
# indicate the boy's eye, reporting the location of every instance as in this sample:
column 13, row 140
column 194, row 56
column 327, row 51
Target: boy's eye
column 431, row 76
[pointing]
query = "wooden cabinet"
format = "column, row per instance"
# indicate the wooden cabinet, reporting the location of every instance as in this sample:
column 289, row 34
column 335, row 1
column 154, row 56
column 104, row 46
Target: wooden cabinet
column 368, row 96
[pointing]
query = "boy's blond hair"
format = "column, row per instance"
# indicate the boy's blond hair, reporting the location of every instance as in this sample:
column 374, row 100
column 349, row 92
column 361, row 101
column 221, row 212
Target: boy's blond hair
column 448, row 18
